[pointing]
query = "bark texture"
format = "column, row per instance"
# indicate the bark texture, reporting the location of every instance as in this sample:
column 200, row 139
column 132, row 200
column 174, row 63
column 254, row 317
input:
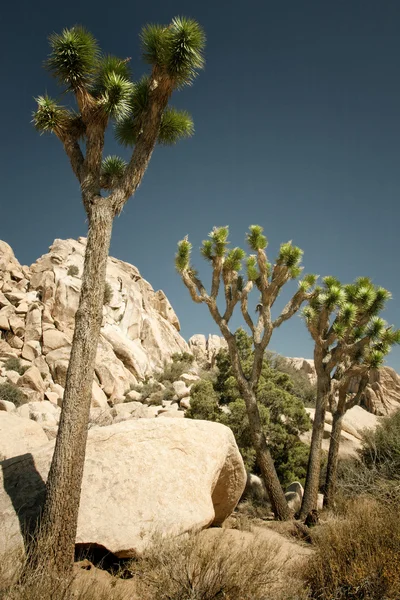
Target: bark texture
column 310, row 497
column 60, row 515
column 333, row 459
column 264, row 459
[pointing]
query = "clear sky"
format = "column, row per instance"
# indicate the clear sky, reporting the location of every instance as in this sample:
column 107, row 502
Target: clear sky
column 297, row 118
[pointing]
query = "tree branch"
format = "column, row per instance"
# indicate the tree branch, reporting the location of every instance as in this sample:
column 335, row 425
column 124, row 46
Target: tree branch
column 161, row 88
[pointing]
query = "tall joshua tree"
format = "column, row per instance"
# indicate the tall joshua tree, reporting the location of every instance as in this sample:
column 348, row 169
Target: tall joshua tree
column 350, row 339
column 269, row 280
column 104, row 93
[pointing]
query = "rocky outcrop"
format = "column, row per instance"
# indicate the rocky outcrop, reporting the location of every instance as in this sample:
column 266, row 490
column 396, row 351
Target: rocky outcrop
column 140, row 477
column 354, row 422
column 205, row 349
column 140, row 329
column 382, row 394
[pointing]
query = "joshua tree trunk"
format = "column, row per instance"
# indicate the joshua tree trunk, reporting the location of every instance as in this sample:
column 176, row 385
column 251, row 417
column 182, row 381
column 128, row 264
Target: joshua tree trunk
column 65, row 477
column 310, row 498
column 333, row 458
column 264, row 458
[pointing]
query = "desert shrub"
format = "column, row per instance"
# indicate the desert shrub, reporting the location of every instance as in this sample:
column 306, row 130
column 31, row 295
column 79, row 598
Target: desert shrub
column 183, row 357
column 145, row 390
column 108, row 293
column 181, row 362
column 208, row 566
column 73, row 271
column 28, row 579
column 168, row 393
column 377, row 473
column 357, row 557
column 381, row 448
column 300, row 384
column 283, row 415
column 203, row 402
column 14, row 364
column 156, row 398
column 12, row 393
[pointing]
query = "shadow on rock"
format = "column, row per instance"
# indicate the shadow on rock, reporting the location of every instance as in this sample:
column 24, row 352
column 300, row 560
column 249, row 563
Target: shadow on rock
column 26, row 489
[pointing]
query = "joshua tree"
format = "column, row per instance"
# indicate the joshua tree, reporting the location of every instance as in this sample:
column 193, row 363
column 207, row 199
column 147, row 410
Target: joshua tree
column 350, row 339
column 269, row 280
column 104, row 93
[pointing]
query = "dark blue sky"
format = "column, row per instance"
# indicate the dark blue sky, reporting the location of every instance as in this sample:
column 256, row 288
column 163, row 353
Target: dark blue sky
column 297, row 119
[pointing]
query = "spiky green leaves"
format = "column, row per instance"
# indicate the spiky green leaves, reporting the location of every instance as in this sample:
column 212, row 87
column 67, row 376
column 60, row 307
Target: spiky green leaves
column 74, row 56
column 216, row 246
column 251, row 268
column 233, row 260
column 255, row 238
column 49, row 116
column 308, row 282
column 115, row 98
column 177, row 49
column 182, row 257
column 290, row 256
column 112, row 170
column 175, row 125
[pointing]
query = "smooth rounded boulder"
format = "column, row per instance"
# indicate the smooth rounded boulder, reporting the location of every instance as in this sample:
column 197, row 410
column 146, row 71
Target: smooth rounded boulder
column 140, row 477
column 18, row 435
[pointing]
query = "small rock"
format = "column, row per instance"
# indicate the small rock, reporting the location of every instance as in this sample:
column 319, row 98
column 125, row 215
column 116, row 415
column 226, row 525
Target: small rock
column 32, row 379
column 185, row 403
column 7, row 406
column 13, row 377
column 31, row 350
column 189, row 378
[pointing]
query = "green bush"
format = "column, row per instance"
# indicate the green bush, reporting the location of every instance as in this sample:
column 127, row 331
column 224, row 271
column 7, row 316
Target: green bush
column 156, row 398
column 203, row 402
column 283, row 415
column 14, row 364
column 12, row 393
column 73, row 271
column 108, row 293
column 146, row 389
column 299, row 383
column 181, row 363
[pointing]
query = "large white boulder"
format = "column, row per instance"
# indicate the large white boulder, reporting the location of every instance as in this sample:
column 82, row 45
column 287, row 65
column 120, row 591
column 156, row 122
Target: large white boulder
column 140, row 476
column 19, row 436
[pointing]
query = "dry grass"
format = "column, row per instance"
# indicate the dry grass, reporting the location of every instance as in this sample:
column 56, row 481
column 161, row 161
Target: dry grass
column 211, row 565
column 357, row 554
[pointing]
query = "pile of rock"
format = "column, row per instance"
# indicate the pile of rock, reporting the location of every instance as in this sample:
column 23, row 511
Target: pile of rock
column 140, row 331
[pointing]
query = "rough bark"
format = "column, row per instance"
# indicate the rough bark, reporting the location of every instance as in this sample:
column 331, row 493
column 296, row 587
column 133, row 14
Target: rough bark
column 333, row 458
column 310, row 497
column 264, row 459
column 60, row 514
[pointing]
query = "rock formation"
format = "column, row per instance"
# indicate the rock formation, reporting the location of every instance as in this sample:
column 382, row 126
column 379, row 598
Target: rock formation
column 382, row 394
column 141, row 477
column 37, row 307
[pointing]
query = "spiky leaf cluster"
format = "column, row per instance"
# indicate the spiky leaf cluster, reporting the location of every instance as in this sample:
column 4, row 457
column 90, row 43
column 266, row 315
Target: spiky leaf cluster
column 216, row 245
column 74, row 56
column 255, row 238
column 175, row 125
column 233, row 260
column 182, row 257
column 177, row 49
column 49, row 116
column 112, row 170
